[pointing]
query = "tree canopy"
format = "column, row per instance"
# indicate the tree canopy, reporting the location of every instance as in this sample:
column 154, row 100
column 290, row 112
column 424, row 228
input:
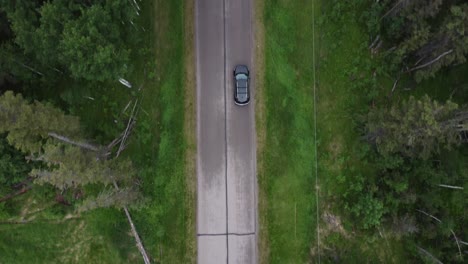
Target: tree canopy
column 415, row 128
column 424, row 36
column 47, row 135
column 82, row 38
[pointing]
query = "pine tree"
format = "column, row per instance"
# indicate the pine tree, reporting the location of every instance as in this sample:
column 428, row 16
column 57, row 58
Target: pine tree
column 44, row 134
column 425, row 36
column 28, row 124
column 80, row 38
column 416, row 128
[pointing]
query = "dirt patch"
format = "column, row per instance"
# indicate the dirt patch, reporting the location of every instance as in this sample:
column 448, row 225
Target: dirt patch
column 335, row 147
column 332, row 224
column 190, row 127
column 79, row 244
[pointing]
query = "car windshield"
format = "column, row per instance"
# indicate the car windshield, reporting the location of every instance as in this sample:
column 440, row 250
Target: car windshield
column 241, row 76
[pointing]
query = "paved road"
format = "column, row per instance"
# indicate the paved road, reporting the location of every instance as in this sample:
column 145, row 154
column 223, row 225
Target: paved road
column 227, row 206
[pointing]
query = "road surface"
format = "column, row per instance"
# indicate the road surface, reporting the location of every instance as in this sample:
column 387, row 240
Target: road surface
column 226, row 159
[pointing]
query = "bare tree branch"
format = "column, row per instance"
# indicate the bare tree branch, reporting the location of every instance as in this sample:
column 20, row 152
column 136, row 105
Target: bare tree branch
column 69, row 141
column 395, row 84
column 425, row 252
column 451, row 186
column 126, row 107
column 374, row 42
column 11, row 195
column 114, row 142
column 432, row 61
column 140, row 246
column 431, row 216
column 393, row 8
column 456, row 239
column 128, row 128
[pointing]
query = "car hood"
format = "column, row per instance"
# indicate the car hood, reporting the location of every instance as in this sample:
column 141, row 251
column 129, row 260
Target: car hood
column 241, row 69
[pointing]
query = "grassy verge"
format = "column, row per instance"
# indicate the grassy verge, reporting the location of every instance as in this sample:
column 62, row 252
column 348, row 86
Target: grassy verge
column 286, row 175
column 260, row 124
column 167, row 223
column 190, row 128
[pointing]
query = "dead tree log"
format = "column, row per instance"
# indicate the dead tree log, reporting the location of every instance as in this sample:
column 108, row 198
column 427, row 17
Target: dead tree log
column 451, row 186
column 20, row 192
column 431, row 62
column 72, row 142
column 426, row 253
column 458, row 244
column 138, row 241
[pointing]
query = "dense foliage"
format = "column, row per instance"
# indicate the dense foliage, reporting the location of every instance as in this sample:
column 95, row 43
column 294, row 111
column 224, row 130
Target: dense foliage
column 49, row 136
column 406, row 173
column 421, row 36
column 81, row 39
column 65, row 58
column 416, row 128
column 43, row 45
column 13, row 167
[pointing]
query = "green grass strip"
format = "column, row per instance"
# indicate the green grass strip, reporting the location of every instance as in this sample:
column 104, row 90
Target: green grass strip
column 288, row 175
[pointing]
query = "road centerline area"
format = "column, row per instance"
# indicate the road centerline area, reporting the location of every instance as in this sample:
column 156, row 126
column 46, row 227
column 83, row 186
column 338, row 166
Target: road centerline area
column 226, row 178
column 225, row 131
column 228, row 234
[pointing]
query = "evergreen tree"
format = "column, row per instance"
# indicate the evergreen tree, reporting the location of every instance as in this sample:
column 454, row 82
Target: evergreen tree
column 43, row 133
column 28, row 124
column 425, row 36
column 82, row 38
column 416, row 128
column 13, row 167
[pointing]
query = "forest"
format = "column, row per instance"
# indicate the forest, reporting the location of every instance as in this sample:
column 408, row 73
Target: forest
column 89, row 126
column 406, row 171
column 46, row 45
column 86, row 131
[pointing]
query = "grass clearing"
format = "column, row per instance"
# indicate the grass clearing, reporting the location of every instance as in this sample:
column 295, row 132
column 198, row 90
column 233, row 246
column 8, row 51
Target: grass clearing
column 287, row 174
column 97, row 237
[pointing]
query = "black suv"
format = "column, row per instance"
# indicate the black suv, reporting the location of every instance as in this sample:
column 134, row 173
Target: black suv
column 241, row 90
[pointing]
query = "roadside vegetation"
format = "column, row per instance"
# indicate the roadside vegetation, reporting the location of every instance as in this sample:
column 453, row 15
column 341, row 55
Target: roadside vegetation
column 391, row 122
column 287, row 175
column 61, row 203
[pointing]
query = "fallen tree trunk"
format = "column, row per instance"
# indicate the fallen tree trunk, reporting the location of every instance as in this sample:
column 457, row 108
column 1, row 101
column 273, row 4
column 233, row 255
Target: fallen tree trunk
column 138, row 241
column 11, row 195
column 75, row 143
column 431, row 62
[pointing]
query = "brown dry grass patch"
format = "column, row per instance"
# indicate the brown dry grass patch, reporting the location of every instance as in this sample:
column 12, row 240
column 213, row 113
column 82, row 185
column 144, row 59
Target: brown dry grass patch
column 260, row 125
column 190, row 125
